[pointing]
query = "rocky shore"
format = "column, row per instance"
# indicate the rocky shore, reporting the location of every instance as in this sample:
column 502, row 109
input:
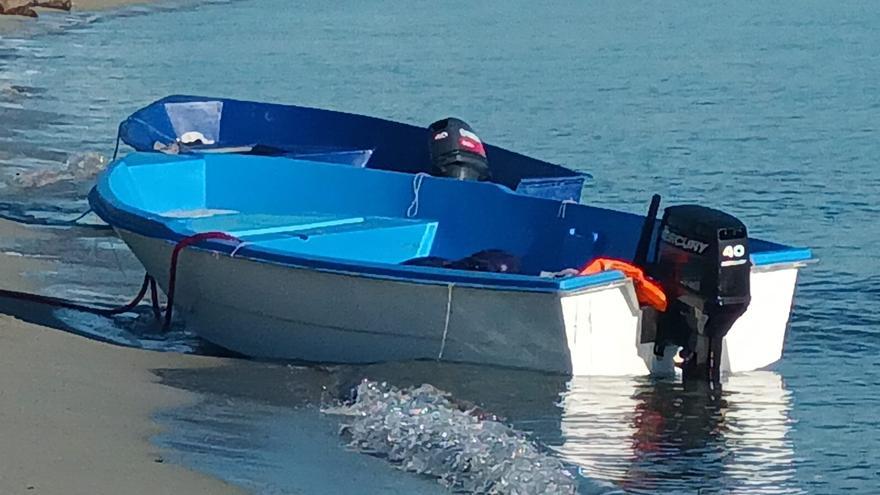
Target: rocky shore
column 30, row 8
column 26, row 7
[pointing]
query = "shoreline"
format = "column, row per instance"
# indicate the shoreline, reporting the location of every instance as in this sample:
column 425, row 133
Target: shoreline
column 9, row 23
column 76, row 414
column 92, row 5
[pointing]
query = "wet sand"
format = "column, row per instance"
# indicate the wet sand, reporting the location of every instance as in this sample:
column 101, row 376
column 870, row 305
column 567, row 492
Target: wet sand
column 14, row 265
column 8, row 23
column 75, row 414
column 104, row 4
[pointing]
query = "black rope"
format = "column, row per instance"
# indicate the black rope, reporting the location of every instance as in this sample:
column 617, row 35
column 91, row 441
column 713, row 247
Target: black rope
column 49, row 222
column 80, row 306
column 148, row 284
column 118, row 139
column 154, row 298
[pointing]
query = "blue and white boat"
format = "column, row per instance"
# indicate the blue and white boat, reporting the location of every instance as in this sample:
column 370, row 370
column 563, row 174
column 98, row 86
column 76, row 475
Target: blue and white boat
column 196, row 124
column 319, row 260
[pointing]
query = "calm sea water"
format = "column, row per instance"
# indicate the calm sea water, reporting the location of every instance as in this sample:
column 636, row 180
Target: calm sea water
column 769, row 110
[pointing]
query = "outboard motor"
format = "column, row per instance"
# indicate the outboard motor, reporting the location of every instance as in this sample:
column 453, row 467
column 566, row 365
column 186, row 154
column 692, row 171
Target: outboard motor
column 456, row 151
column 702, row 261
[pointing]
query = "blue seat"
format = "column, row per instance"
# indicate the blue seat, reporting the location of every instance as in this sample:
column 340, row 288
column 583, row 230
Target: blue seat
column 375, row 239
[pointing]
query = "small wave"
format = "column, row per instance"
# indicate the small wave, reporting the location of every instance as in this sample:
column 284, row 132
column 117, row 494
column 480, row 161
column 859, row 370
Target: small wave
column 136, row 329
column 52, row 195
column 421, row 430
column 78, row 167
column 13, row 92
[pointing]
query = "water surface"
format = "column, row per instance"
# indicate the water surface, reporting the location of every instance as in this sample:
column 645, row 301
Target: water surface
column 768, row 111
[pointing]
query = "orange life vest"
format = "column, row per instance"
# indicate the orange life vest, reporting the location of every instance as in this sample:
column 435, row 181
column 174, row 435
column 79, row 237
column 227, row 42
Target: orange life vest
column 647, row 291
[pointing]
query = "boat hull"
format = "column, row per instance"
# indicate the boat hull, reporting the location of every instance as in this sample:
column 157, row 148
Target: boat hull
column 276, row 311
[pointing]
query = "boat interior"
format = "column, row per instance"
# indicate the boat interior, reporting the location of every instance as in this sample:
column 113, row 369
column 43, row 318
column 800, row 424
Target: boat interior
column 303, row 209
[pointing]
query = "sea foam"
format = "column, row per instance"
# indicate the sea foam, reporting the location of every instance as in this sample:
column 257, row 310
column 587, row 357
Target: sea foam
column 422, row 430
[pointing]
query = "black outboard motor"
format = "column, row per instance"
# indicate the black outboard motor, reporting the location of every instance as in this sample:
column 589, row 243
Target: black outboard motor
column 702, row 262
column 456, row 151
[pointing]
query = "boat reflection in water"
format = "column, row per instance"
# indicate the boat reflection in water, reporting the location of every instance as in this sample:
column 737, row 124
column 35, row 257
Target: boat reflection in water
column 652, row 437
column 636, row 434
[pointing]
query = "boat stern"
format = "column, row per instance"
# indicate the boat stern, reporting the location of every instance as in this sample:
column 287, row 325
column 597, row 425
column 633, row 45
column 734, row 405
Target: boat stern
column 604, row 333
column 756, row 339
column 608, row 333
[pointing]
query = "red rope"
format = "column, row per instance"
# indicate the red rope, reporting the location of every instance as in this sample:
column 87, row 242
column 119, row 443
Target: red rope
column 172, row 271
column 148, row 284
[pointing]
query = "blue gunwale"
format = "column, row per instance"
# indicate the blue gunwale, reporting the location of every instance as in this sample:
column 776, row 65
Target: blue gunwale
column 141, row 222
column 127, row 217
column 782, row 257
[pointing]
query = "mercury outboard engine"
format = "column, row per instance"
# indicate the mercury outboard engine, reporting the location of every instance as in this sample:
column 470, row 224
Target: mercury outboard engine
column 702, row 262
column 456, row 151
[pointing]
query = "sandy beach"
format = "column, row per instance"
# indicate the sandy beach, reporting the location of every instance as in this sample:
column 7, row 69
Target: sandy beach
column 75, row 414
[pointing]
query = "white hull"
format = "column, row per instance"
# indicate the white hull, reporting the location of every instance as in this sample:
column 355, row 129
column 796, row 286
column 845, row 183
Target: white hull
column 280, row 312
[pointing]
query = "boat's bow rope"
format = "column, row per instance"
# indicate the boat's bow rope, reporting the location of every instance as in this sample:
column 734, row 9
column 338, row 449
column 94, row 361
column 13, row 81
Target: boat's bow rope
column 149, row 126
column 175, row 256
column 148, row 284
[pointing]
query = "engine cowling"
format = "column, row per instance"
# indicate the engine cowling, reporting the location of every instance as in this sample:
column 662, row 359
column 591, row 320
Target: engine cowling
column 456, row 151
column 702, row 262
